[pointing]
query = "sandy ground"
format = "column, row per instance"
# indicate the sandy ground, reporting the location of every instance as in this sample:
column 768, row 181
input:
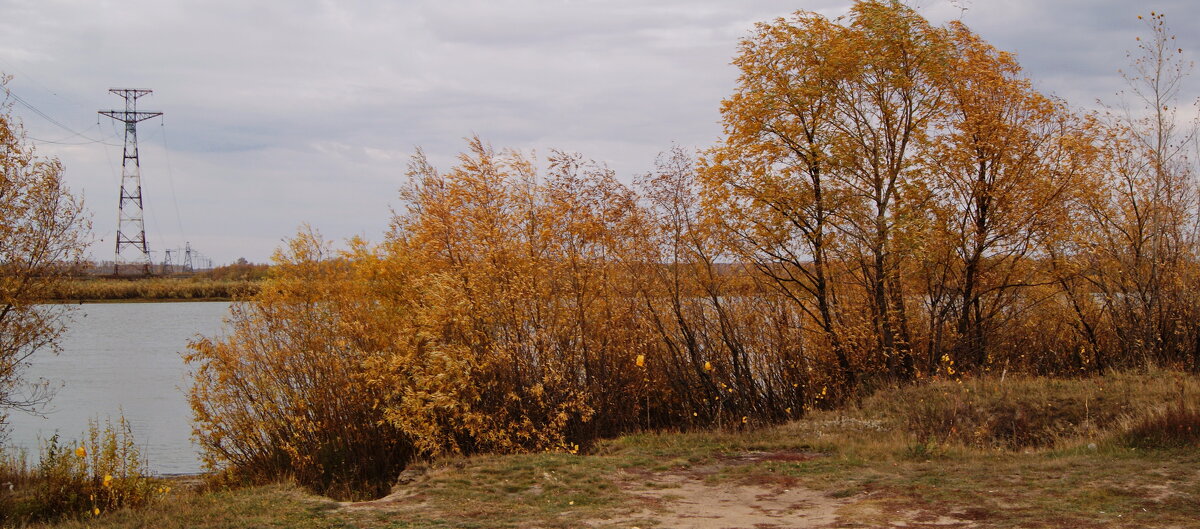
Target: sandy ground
column 685, row 499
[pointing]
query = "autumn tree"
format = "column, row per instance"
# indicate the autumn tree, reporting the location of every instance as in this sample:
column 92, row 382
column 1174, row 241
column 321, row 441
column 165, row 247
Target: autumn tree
column 884, row 111
column 1141, row 255
column 821, row 147
column 899, row 182
column 730, row 347
column 43, row 232
column 1002, row 173
column 770, row 183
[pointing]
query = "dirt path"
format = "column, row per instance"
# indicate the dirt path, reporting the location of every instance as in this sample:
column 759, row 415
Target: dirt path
column 686, row 501
column 694, row 498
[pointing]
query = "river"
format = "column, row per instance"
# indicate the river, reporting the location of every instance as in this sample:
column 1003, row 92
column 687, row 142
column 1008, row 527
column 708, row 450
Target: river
column 123, row 358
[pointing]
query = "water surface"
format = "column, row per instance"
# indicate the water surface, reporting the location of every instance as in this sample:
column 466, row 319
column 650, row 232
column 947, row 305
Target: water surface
column 124, row 358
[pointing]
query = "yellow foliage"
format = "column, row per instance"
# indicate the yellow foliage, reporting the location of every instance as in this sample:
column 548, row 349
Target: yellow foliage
column 892, row 202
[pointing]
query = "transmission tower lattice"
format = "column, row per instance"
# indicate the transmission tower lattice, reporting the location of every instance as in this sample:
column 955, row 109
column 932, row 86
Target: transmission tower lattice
column 131, row 228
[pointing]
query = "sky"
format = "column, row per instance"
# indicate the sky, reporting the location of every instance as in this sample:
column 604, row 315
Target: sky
column 279, row 113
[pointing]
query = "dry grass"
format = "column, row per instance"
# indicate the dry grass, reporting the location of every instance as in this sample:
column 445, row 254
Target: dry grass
column 270, row 506
column 1020, row 413
column 1174, row 427
column 873, row 462
column 152, row 289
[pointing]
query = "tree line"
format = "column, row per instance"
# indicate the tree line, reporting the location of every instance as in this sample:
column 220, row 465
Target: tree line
column 892, row 201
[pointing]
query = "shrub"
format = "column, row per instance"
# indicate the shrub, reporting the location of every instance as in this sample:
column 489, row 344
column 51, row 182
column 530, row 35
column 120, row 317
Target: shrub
column 103, row 473
column 505, row 312
column 286, row 393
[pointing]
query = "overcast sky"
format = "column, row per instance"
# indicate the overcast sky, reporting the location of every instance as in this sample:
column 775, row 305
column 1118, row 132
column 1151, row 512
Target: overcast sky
column 280, row 112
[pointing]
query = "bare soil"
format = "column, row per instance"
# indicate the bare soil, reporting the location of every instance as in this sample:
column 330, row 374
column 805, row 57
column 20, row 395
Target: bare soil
column 692, row 498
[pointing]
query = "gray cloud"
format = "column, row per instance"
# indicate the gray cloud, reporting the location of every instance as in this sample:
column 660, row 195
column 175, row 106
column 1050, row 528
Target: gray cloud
column 279, row 113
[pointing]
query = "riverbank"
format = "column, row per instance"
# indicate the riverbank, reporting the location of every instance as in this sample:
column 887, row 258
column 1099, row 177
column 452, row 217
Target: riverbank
column 1114, row 451
column 784, row 477
column 155, row 289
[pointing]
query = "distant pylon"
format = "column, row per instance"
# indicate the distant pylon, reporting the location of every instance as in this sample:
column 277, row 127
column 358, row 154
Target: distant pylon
column 131, row 229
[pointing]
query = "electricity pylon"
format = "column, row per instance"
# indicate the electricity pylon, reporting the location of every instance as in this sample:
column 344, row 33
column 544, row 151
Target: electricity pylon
column 131, row 228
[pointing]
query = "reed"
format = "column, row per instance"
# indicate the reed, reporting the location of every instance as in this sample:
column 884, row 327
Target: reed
column 152, row 289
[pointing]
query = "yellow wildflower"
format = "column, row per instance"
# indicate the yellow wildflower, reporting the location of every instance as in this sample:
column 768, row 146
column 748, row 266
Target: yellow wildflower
column 641, row 361
column 108, row 480
column 81, row 451
column 96, row 511
column 708, row 366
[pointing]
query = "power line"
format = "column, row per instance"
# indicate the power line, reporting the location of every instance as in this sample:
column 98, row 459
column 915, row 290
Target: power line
column 170, row 174
column 74, row 133
column 89, row 142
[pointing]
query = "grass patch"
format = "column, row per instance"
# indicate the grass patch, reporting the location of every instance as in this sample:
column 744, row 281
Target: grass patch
column 252, row 507
column 870, row 460
column 504, row 491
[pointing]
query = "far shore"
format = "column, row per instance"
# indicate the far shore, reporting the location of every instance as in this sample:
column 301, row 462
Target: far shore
column 151, row 290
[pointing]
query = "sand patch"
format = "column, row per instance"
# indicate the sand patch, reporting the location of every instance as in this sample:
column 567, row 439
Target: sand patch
column 682, row 500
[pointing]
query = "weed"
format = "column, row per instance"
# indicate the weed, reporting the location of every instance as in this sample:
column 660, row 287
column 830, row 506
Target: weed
column 103, row 473
column 921, row 451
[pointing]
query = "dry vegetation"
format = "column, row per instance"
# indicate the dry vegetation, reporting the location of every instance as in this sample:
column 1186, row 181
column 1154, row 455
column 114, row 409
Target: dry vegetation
column 101, row 474
column 150, row 289
column 964, row 302
column 866, row 465
column 234, row 281
column 900, row 205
